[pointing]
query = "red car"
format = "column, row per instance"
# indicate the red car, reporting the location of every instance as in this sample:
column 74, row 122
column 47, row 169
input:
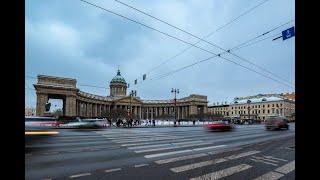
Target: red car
column 220, row 125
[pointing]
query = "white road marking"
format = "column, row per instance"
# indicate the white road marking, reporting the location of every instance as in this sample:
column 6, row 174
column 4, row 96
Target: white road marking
column 223, row 173
column 112, row 170
column 257, row 160
column 167, row 153
column 80, row 175
column 270, row 157
column 197, row 165
column 285, row 169
column 144, row 143
column 270, row 176
column 166, row 148
column 210, row 147
column 265, row 159
column 148, row 146
column 142, row 140
column 241, row 155
column 140, row 165
column 181, row 158
column 210, row 162
column 178, row 152
column 49, row 153
column 189, row 142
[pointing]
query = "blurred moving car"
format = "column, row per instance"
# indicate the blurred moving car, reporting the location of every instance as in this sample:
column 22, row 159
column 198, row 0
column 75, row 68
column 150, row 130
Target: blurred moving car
column 275, row 123
column 41, row 126
column 86, row 123
column 220, row 125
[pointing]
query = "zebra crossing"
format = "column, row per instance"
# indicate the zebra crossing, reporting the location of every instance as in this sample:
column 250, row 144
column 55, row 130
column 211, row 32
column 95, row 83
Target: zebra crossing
column 167, row 149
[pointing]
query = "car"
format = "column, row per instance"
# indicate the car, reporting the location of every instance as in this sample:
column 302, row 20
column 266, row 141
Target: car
column 276, row 123
column 220, row 125
column 36, row 126
column 86, row 123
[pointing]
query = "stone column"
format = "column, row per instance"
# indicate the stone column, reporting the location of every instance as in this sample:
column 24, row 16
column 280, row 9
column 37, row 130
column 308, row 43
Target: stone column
column 70, row 108
column 42, row 99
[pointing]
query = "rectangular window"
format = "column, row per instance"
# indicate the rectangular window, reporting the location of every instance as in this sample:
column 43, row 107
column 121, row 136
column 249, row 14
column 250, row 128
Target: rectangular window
column 268, row 105
column 263, row 106
column 272, row 105
column 268, row 111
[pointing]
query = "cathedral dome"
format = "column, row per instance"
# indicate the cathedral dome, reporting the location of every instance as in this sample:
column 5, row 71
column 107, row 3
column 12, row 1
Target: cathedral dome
column 118, row 78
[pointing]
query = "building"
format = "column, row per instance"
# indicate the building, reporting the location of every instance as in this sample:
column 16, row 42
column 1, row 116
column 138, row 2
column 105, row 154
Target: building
column 257, row 107
column 221, row 110
column 84, row 104
column 290, row 96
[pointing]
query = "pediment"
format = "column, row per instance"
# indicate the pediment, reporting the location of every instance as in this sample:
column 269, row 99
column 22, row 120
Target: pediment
column 127, row 100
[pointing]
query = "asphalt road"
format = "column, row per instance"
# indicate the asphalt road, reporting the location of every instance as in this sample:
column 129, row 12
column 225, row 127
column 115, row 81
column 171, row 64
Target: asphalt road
column 248, row 152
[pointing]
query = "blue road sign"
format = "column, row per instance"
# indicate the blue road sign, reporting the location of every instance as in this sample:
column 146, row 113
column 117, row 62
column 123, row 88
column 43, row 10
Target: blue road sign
column 288, row 33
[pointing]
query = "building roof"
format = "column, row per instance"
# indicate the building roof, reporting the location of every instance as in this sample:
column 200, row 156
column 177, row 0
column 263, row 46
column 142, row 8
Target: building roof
column 118, row 78
column 257, row 100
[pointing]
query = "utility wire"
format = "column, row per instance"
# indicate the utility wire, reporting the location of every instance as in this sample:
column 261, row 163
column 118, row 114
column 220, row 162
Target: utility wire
column 164, row 33
column 202, row 39
column 209, row 58
column 208, row 35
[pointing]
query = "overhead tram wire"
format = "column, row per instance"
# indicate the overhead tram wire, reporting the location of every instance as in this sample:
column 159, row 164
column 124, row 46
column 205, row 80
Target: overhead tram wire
column 208, row 35
column 202, row 39
column 209, row 58
column 240, row 46
column 164, row 33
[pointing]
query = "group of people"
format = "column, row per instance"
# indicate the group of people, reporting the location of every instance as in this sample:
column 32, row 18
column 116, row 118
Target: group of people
column 153, row 122
column 127, row 123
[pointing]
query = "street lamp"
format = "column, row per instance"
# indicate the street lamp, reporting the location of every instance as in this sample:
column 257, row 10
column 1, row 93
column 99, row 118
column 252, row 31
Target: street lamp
column 132, row 93
column 175, row 91
column 248, row 102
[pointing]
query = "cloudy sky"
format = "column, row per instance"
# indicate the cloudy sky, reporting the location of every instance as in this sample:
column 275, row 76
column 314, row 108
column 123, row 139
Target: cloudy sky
column 73, row 39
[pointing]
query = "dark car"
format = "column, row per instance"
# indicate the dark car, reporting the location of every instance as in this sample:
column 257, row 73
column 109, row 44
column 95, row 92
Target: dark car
column 276, row 123
column 220, row 126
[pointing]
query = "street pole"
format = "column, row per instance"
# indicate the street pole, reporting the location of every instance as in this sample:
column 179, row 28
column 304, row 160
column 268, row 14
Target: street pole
column 175, row 91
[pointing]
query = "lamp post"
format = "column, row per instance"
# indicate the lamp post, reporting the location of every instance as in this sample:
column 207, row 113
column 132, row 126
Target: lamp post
column 132, row 93
column 175, row 91
column 248, row 102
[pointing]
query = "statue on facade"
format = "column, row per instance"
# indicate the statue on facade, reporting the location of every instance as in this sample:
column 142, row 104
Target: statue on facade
column 47, row 106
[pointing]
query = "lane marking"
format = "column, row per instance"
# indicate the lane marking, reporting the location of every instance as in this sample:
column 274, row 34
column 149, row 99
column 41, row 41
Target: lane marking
column 257, row 160
column 265, row 159
column 148, row 146
column 80, row 175
column 232, row 157
column 49, row 153
column 159, row 145
column 145, row 143
column 166, row 148
column 140, row 165
column 270, row 157
column 210, row 147
column 181, row 158
column 224, row 172
column 211, row 162
column 167, row 153
column 112, row 170
column 285, row 169
column 178, row 152
column 270, row 176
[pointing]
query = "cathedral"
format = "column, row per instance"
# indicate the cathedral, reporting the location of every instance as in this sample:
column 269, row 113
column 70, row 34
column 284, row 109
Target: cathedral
column 77, row 103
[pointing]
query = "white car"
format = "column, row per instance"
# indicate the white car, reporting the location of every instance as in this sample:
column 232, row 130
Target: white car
column 86, row 123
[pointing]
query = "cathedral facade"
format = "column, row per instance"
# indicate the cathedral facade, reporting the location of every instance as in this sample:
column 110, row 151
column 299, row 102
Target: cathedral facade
column 77, row 103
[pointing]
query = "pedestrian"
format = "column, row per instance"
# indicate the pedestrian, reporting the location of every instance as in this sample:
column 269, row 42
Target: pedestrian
column 154, row 122
column 194, row 122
